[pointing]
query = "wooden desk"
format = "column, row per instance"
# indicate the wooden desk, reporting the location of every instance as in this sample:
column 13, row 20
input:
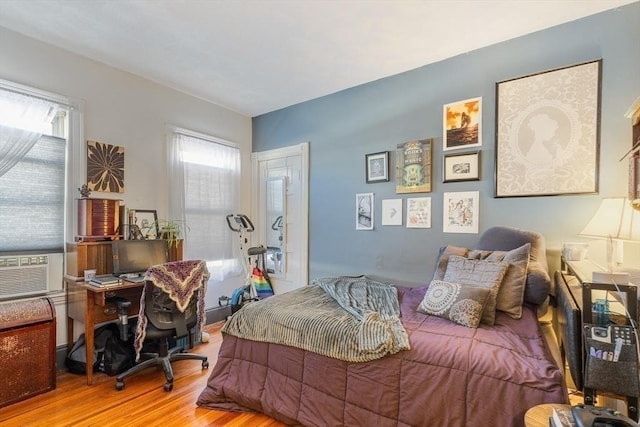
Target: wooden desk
column 89, row 304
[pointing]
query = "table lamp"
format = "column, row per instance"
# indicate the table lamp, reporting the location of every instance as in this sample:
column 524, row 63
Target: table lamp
column 617, row 222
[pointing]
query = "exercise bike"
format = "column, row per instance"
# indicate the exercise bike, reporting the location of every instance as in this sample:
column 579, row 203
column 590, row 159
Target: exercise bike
column 257, row 283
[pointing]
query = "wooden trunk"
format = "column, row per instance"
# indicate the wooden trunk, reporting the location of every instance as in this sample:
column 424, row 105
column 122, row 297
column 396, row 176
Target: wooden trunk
column 27, row 349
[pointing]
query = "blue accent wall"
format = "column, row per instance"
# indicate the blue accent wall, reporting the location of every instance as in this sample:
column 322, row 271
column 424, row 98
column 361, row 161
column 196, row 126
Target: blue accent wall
column 342, row 127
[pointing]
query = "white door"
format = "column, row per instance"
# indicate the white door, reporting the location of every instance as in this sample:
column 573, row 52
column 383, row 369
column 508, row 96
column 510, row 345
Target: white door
column 291, row 164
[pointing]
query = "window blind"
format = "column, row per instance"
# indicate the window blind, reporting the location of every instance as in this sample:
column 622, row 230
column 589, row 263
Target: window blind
column 205, row 185
column 33, row 149
column 32, row 200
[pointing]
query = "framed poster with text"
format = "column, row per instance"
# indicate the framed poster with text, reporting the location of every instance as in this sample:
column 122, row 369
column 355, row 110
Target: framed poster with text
column 413, row 166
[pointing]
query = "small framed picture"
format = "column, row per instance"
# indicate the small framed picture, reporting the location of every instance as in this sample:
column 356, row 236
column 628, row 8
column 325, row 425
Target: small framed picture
column 462, row 124
column 461, row 212
column 364, row 211
column 419, row 212
column 392, row 212
column 377, row 167
column 461, row 167
column 147, row 222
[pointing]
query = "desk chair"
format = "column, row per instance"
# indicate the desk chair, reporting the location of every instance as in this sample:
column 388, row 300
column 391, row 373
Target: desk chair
column 171, row 305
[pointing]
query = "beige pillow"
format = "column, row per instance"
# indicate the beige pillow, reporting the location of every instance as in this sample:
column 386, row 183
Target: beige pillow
column 462, row 304
column 511, row 293
column 474, row 272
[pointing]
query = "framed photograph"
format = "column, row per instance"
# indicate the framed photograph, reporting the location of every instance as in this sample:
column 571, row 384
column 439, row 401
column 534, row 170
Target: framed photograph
column 548, row 132
column 413, row 166
column 377, row 167
column 147, row 222
column 364, row 211
column 419, row 212
column 392, row 212
column 461, row 167
column 461, row 211
column 462, row 124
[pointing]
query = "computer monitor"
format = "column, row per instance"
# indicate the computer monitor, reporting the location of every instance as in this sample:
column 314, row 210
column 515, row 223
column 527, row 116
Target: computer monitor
column 136, row 256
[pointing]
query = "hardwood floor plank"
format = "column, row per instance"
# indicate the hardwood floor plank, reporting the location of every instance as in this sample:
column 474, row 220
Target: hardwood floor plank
column 142, row 402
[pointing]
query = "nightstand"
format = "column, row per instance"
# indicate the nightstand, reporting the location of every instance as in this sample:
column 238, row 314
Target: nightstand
column 576, row 292
column 539, row 415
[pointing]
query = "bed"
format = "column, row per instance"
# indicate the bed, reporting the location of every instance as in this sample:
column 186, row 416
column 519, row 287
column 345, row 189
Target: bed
column 452, row 374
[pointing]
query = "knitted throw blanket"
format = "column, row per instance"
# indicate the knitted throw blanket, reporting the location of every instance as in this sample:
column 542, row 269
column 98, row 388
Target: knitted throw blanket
column 179, row 280
column 354, row 319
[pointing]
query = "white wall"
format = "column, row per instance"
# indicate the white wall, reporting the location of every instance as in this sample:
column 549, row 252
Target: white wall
column 125, row 110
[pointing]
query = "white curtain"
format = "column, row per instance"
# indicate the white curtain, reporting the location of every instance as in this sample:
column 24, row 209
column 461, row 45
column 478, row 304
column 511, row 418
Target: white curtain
column 204, row 186
column 23, row 120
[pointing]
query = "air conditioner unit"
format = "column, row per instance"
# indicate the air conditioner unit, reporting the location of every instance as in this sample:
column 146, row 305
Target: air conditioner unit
column 29, row 275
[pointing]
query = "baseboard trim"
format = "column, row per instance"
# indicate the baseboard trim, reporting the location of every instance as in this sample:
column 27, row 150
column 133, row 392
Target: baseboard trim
column 213, row 315
column 218, row 314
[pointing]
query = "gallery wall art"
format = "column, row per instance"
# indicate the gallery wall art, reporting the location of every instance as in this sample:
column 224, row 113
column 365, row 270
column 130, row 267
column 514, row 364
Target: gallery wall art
column 461, row 212
column 364, row 211
column 548, row 132
column 419, row 212
column 462, row 124
column 413, row 166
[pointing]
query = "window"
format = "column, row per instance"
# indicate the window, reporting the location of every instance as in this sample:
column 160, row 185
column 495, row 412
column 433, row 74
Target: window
column 33, row 145
column 204, row 184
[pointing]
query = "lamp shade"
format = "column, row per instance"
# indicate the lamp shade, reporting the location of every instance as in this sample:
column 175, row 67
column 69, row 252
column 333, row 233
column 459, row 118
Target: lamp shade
column 615, row 219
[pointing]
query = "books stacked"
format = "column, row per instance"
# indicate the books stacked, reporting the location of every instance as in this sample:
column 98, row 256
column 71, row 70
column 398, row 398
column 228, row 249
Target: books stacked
column 562, row 417
column 105, row 281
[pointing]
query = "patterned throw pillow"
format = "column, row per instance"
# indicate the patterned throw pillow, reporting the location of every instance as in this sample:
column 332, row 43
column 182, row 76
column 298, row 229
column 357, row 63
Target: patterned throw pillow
column 487, row 274
column 459, row 303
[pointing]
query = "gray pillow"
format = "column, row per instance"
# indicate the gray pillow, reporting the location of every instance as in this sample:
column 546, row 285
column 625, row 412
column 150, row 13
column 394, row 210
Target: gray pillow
column 502, row 238
column 474, row 272
column 511, row 293
column 462, row 304
column 443, row 258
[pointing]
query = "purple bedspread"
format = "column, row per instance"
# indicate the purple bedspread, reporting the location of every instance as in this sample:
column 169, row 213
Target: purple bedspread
column 452, row 376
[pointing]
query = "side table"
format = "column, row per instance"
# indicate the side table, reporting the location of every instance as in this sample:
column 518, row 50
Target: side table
column 539, row 415
column 622, row 301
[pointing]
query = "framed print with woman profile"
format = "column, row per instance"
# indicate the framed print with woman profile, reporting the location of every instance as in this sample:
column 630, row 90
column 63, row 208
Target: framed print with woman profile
column 548, row 132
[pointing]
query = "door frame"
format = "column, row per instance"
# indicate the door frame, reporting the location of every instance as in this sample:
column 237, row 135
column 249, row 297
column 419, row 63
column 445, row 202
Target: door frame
column 258, row 200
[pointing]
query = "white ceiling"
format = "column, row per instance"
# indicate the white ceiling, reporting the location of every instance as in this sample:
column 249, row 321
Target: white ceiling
column 257, row 56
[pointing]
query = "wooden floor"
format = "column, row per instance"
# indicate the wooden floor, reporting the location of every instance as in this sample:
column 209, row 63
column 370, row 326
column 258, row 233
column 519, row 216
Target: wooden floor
column 143, row 402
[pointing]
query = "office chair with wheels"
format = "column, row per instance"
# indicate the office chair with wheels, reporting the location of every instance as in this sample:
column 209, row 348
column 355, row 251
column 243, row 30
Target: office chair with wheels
column 171, row 305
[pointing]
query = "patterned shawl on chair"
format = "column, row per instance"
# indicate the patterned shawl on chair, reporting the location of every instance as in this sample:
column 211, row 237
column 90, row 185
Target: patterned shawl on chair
column 179, row 280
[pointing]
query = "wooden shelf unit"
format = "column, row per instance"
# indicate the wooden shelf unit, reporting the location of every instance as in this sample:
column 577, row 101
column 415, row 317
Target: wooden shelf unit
column 97, row 256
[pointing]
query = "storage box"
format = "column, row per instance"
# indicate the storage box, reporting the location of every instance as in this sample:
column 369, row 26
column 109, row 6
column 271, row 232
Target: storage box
column 27, row 349
column 98, row 219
